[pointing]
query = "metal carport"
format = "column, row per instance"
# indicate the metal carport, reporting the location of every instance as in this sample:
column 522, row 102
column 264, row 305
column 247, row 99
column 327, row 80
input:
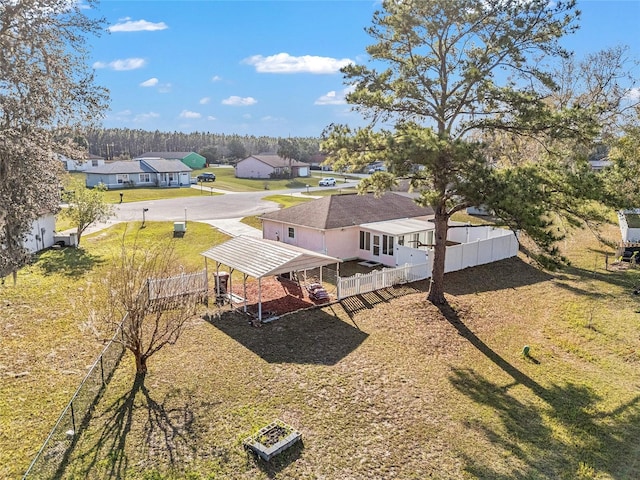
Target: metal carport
column 259, row 257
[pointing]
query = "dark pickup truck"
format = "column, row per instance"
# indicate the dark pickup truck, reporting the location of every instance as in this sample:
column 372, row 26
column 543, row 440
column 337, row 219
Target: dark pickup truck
column 207, row 177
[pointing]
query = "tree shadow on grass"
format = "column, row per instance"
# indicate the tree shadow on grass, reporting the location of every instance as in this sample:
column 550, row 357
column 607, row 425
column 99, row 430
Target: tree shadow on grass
column 592, row 439
column 309, row 337
column 116, row 419
column 170, row 433
column 70, row 262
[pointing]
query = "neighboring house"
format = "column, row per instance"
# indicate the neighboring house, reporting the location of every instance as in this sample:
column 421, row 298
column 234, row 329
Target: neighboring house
column 353, row 226
column 41, row 234
column 143, row 172
column 270, row 166
column 71, row 165
column 192, row 160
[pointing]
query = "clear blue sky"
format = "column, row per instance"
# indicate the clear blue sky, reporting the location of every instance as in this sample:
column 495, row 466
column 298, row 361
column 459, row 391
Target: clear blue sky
column 262, row 67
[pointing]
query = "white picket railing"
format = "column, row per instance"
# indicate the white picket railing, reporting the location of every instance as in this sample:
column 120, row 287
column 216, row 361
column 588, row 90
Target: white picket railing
column 378, row 279
column 185, row 284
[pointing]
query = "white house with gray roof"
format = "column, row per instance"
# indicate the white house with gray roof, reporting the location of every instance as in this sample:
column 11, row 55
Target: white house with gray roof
column 142, row 172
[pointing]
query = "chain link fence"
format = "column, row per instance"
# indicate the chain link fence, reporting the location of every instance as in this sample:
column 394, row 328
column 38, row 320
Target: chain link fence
column 51, row 458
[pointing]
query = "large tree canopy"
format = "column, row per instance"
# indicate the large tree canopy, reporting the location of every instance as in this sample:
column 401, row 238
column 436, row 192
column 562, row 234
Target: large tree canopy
column 46, row 90
column 455, row 75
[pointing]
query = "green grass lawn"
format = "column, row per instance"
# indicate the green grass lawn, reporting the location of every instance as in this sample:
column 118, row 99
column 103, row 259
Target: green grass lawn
column 141, row 194
column 381, row 386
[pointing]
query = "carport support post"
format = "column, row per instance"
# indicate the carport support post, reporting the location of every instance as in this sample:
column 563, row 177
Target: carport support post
column 244, row 292
column 260, row 299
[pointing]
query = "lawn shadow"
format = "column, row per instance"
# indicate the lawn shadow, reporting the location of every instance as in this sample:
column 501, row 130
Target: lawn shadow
column 603, row 440
column 510, row 273
column 367, row 301
column 170, row 435
column 170, row 429
column 309, row 337
column 273, row 467
column 71, row 262
column 117, row 420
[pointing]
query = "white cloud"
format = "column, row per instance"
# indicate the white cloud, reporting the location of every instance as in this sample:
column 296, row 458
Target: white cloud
column 164, row 88
column 239, row 101
column 633, row 94
column 334, row 98
column 122, row 64
column 152, row 82
column 128, row 25
column 216, row 78
column 143, row 117
column 189, row 114
column 205, row 100
column 211, row 117
column 285, row 63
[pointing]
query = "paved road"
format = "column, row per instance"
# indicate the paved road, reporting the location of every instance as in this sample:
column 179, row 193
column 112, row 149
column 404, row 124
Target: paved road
column 205, row 208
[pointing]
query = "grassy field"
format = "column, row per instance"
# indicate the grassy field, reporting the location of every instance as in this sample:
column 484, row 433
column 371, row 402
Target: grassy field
column 141, row 194
column 45, row 349
column 226, row 180
column 383, row 386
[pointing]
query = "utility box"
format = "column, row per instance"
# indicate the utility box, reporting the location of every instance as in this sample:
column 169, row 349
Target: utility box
column 179, row 229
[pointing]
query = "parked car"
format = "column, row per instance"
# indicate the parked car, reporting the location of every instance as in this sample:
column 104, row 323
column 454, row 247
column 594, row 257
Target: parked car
column 376, row 169
column 207, row 177
column 327, row 182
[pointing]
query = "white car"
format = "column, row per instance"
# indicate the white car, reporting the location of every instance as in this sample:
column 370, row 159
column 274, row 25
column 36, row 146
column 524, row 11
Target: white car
column 327, row 182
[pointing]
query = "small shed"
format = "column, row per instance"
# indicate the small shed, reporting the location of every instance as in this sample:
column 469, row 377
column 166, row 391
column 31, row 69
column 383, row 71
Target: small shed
column 259, row 258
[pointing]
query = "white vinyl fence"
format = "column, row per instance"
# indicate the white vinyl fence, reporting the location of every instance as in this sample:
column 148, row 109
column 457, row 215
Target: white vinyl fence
column 476, row 246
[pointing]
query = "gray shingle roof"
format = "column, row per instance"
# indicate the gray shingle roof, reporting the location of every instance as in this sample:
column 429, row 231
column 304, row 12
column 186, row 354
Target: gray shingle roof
column 121, row 166
column 276, row 161
column 337, row 211
column 162, row 165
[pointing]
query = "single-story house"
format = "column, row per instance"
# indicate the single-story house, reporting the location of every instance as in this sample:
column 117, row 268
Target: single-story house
column 143, row 172
column 192, row 160
column 90, row 161
column 353, row 226
column 270, row 166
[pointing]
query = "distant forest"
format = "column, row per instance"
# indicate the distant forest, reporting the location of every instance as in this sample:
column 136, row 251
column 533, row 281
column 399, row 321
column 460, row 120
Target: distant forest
column 124, row 143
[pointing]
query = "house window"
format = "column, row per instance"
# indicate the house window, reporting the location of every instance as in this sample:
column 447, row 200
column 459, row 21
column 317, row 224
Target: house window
column 430, row 237
column 145, row 178
column 172, row 177
column 291, row 232
column 400, row 239
column 376, row 245
column 415, row 240
column 365, row 240
column 94, row 163
column 387, row 245
column 122, row 178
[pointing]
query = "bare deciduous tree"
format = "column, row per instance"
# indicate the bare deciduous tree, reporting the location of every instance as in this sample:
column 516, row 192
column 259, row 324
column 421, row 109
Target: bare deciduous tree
column 147, row 288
